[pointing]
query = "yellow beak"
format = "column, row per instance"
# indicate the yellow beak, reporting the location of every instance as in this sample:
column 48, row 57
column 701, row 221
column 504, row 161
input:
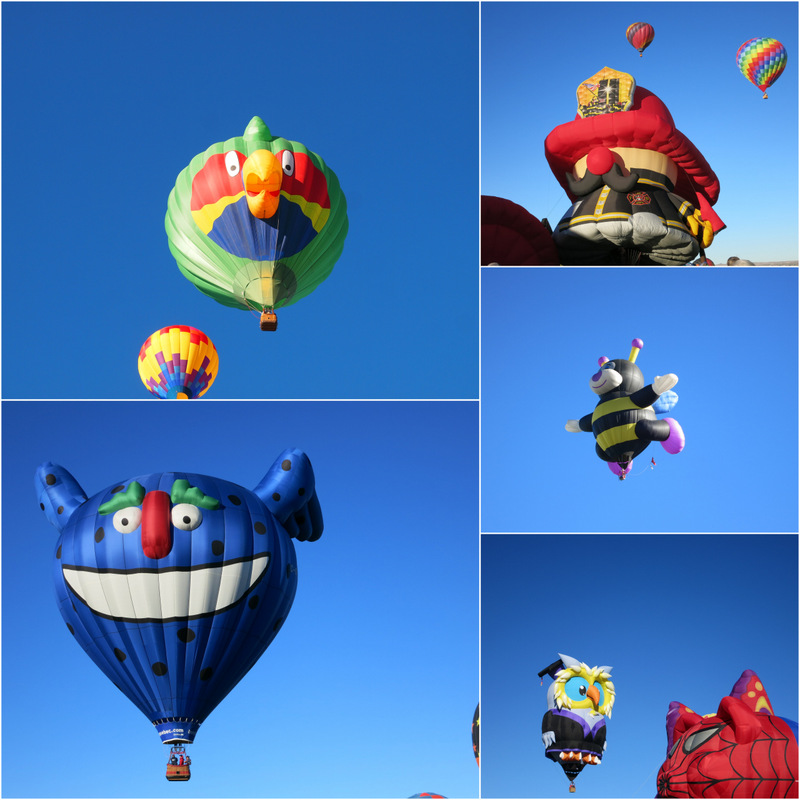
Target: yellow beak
column 262, row 175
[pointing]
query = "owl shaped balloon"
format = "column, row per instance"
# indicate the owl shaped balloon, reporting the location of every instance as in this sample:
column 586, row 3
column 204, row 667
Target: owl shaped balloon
column 578, row 702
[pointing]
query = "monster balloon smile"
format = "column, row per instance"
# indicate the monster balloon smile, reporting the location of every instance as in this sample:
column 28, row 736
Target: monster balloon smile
column 176, row 583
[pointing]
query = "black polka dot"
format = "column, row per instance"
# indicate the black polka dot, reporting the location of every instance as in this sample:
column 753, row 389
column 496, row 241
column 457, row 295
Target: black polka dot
column 217, row 547
column 159, row 668
column 50, row 478
column 253, row 601
column 260, row 527
column 276, row 496
column 234, row 499
column 277, row 626
column 301, row 491
column 119, row 654
column 286, row 465
column 71, row 629
column 205, row 674
column 41, row 505
column 186, row 634
column 60, row 509
column 117, row 489
column 99, row 534
column 58, row 552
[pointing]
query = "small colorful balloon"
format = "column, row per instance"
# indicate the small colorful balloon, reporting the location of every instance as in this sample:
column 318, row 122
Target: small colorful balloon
column 761, row 61
column 178, row 362
column 640, row 35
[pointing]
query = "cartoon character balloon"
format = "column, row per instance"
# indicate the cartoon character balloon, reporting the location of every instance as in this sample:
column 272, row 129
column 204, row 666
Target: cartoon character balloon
column 624, row 419
column 175, row 583
column 744, row 750
column 761, row 61
column 642, row 193
column 178, row 362
column 640, row 35
column 578, row 702
column 257, row 222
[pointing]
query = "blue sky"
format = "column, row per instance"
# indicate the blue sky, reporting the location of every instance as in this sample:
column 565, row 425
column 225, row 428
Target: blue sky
column 108, row 102
column 534, row 55
column 370, row 687
column 730, row 335
column 676, row 617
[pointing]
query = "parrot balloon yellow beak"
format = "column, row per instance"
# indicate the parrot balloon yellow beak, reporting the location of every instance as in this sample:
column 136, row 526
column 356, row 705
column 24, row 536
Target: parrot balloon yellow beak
column 262, row 175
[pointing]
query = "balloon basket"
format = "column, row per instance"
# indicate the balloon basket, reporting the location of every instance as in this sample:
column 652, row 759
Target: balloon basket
column 572, row 787
column 269, row 321
column 178, row 764
column 178, row 773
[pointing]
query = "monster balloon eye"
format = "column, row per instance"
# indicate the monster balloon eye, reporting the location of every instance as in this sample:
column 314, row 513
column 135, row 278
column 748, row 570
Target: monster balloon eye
column 624, row 419
column 288, row 162
column 127, row 520
column 180, row 597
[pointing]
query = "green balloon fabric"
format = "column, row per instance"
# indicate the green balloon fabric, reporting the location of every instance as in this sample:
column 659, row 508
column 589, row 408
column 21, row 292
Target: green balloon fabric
column 256, row 222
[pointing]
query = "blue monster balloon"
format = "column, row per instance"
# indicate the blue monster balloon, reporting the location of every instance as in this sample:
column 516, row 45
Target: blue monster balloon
column 175, row 583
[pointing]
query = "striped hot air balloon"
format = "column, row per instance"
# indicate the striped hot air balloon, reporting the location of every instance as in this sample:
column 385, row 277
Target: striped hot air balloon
column 640, row 35
column 761, row 61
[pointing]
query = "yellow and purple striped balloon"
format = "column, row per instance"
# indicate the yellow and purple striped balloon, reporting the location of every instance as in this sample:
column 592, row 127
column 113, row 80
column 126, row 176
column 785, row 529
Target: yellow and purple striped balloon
column 178, row 362
column 761, row 61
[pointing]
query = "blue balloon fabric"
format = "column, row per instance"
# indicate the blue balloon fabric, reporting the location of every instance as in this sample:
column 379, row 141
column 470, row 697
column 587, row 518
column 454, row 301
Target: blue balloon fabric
column 176, row 583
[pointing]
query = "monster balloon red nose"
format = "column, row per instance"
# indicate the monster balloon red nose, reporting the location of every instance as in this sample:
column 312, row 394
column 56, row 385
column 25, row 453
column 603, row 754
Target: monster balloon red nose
column 156, row 524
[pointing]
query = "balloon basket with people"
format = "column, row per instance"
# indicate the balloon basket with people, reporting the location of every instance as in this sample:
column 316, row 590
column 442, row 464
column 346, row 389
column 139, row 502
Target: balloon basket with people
column 178, row 764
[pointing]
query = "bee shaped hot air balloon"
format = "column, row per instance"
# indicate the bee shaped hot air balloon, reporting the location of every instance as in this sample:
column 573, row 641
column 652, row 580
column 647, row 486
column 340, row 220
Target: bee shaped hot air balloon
column 624, row 420
column 178, row 362
column 257, row 222
column 761, row 61
column 175, row 583
column 640, row 35
column 578, row 702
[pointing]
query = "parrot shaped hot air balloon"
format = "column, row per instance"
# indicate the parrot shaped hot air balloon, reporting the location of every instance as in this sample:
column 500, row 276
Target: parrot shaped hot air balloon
column 178, row 362
column 640, row 35
column 257, row 222
column 175, row 583
column 744, row 750
column 578, row 702
column 761, row 61
column 624, row 419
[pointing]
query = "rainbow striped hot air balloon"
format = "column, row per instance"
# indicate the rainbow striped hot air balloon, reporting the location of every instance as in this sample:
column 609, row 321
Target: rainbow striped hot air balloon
column 178, row 362
column 761, row 61
column 640, row 34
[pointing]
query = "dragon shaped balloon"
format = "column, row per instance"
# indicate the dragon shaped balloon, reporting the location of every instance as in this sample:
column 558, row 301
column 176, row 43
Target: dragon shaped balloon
column 257, row 222
column 578, row 702
column 744, row 750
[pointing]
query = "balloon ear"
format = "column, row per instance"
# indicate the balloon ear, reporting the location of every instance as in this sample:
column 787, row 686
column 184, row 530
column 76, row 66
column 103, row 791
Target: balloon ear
column 745, row 724
column 58, row 492
column 289, row 492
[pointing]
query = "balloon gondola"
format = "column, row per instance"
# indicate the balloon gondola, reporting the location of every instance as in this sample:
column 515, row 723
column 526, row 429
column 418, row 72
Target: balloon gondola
column 178, row 764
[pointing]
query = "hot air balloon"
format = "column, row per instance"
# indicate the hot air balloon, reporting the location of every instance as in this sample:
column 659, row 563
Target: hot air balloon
column 176, row 583
column 574, row 726
column 624, row 419
column 257, row 222
column 641, row 192
column 744, row 750
column 178, row 362
column 761, row 61
column 513, row 237
column 640, row 35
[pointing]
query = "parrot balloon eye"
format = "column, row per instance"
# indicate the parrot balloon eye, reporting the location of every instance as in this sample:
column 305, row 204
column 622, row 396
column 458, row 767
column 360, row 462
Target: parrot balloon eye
column 173, row 603
column 288, row 162
column 624, row 419
column 232, row 163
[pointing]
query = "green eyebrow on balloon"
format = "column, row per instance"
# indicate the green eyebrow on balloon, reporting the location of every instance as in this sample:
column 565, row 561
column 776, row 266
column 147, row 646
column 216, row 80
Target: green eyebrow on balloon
column 132, row 496
column 183, row 493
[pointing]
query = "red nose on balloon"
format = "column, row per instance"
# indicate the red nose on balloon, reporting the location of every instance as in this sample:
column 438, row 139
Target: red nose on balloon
column 599, row 161
column 156, row 525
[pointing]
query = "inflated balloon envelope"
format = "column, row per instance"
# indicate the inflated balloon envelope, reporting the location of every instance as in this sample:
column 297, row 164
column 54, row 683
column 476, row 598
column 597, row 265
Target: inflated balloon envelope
column 175, row 583
column 637, row 182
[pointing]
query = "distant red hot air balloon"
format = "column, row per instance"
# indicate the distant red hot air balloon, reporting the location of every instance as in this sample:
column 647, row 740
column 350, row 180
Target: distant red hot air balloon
column 640, row 34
